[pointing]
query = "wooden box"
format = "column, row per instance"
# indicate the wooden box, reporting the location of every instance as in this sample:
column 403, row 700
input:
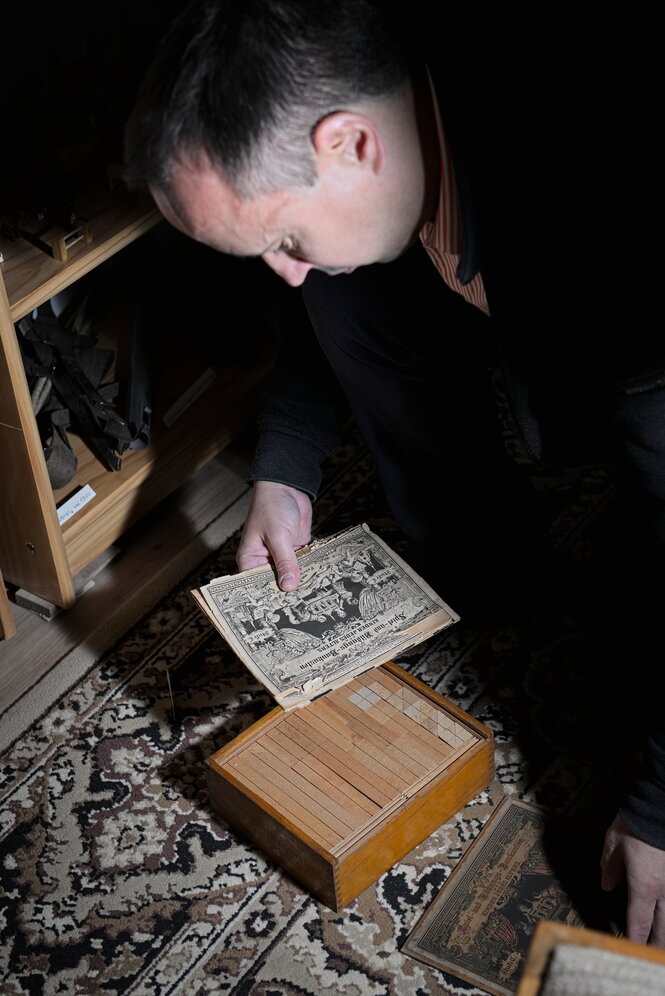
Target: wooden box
column 640, row 967
column 339, row 790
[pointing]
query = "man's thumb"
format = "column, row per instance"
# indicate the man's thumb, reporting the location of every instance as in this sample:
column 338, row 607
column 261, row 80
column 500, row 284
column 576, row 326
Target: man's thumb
column 288, row 572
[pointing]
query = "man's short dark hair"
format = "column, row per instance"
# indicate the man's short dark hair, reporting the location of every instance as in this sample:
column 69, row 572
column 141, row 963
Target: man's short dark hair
column 245, row 82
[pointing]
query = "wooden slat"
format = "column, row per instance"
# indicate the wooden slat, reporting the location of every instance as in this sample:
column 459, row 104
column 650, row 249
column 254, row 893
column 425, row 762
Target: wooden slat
column 317, row 782
column 255, row 775
column 394, row 758
column 366, row 739
column 310, row 790
column 319, row 774
column 363, row 860
column 295, row 850
column 363, row 775
column 388, row 721
column 306, row 760
column 392, row 672
column 324, row 753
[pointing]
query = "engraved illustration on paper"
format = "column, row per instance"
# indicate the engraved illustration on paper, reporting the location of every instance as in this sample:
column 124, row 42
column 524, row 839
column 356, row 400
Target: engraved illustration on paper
column 357, row 604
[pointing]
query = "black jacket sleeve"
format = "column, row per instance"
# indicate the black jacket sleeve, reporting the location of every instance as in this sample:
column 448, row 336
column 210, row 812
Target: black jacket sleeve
column 301, row 410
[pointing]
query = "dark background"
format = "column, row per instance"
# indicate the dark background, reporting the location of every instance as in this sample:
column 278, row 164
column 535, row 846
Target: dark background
column 69, row 77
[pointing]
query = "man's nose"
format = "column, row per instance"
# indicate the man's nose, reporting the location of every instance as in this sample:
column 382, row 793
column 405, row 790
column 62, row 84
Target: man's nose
column 292, row 270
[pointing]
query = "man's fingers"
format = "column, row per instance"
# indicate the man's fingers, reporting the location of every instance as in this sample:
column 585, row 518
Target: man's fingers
column 639, row 916
column 252, row 551
column 283, row 560
column 658, row 925
column 246, row 561
column 612, row 871
column 612, row 868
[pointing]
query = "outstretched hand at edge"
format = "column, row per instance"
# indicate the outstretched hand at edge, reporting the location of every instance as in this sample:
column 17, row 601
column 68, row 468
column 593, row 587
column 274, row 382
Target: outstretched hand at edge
column 643, row 866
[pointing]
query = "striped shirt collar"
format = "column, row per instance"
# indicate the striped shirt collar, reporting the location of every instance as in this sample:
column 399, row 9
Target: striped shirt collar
column 442, row 237
column 445, row 231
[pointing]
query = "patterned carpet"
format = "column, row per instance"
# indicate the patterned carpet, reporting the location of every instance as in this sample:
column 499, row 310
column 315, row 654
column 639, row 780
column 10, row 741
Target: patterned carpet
column 118, row 879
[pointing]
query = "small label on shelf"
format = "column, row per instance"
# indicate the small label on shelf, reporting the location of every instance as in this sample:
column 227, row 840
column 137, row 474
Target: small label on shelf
column 75, row 503
column 189, row 397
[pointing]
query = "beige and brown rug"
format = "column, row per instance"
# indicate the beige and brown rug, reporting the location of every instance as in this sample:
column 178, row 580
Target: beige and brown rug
column 117, row 878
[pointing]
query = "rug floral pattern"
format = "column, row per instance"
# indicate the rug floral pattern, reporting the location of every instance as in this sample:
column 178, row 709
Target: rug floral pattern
column 117, row 878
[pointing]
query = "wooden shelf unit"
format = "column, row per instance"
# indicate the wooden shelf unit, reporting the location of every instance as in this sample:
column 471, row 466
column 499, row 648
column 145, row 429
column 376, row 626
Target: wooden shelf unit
column 36, row 553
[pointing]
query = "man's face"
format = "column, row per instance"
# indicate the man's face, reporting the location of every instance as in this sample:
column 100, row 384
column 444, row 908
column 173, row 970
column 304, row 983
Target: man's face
column 347, row 219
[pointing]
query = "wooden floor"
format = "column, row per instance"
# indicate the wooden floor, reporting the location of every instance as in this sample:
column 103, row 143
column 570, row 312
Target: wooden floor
column 150, row 558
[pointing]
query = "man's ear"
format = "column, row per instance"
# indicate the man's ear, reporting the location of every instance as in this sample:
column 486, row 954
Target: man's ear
column 349, row 139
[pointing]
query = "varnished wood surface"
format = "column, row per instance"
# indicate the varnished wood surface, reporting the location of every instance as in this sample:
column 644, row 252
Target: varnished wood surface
column 435, row 803
column 7, row 624
column 300, row 856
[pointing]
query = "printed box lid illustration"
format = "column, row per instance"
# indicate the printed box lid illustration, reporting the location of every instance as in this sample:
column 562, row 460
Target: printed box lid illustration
column 358, row 605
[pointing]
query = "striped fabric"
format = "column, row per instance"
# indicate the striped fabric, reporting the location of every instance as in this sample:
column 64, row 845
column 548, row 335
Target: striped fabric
column 442, row 238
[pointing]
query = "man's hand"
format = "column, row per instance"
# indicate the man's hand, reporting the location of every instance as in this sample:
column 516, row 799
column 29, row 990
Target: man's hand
column 279, row 523
column 644, row 869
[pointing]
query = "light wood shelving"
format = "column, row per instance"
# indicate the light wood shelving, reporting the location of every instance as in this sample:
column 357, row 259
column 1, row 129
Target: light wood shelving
column 36, row 552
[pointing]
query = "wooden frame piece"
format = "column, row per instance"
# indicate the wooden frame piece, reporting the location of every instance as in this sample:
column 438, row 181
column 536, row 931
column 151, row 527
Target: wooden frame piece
column 7, row 624
column 548, row 934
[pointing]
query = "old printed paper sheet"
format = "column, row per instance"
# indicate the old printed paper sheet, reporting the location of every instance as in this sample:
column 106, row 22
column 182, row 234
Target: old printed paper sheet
column 357, row 606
